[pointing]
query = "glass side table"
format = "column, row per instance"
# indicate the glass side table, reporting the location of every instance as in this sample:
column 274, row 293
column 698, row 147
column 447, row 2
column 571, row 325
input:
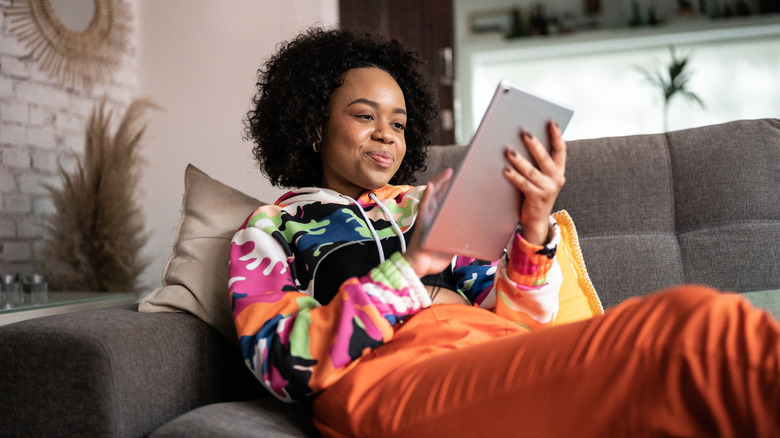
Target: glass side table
column 54, row 303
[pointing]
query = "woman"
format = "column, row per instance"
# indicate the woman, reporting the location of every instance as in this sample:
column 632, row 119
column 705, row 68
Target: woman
column 333, row 295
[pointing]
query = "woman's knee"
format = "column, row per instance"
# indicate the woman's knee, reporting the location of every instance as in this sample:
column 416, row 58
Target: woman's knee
column 686, row 299
column 664, row 316
column 705, row 316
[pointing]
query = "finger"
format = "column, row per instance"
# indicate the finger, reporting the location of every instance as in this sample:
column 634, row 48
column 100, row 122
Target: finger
column 558, row 146
column 421, row 260
column 442, row 177
column 524, row 167
column 428, row 205
column 434, row 190
column 520, row 181
column 538, row 151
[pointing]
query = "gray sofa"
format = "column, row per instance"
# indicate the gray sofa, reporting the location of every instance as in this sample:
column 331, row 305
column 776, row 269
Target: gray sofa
column 693, row 206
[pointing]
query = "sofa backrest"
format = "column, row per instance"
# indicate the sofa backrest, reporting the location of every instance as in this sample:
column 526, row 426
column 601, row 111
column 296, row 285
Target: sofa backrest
column 700, row 205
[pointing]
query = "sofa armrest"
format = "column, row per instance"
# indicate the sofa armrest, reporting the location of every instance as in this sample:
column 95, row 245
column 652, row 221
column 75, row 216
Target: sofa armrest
column 113, row 372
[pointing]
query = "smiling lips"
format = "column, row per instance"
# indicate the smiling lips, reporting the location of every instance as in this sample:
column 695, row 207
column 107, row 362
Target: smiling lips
column 383, row 158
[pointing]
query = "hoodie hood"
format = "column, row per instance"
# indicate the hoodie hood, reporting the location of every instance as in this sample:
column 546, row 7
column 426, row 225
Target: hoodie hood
column 318, row 194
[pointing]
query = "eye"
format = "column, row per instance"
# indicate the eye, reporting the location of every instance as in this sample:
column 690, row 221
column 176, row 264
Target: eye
column 365, row 116
column 399, row 126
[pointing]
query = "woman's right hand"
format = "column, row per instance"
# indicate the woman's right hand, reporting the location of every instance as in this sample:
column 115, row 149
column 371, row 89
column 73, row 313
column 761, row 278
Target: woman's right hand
column 425, row 262
column 540, row 185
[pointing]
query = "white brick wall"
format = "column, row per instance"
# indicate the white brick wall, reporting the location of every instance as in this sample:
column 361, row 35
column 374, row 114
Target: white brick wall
column 42, row 126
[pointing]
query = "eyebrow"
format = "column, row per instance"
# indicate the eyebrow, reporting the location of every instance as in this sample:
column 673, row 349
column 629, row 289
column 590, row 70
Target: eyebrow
column 373, row 104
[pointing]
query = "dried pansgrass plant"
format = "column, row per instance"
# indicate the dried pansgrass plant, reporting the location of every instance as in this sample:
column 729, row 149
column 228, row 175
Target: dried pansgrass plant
column 96, row 233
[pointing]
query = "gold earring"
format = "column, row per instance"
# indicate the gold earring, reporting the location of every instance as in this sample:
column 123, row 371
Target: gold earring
column 315, row 146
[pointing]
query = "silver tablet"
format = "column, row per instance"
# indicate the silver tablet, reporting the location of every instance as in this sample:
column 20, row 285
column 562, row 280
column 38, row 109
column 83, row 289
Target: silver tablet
column 479, row 211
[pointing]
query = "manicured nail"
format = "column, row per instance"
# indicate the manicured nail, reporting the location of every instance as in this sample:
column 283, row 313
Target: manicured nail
column 512, row 152
column 525, row 134
column 507, row 169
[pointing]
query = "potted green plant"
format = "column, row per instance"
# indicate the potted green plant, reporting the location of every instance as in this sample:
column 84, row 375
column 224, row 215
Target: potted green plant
column 671, row 81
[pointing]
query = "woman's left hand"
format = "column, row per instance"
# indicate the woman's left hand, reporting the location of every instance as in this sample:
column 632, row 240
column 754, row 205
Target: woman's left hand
column 423, row 261
column 539, row 186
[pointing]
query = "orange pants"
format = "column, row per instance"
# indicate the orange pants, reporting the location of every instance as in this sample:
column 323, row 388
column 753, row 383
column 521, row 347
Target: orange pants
column 684, row 362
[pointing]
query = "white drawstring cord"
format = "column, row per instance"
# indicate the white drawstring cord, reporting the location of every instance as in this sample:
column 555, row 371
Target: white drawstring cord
column 393, row 223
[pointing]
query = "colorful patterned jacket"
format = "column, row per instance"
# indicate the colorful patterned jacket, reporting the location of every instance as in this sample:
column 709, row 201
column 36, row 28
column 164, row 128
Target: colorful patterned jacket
column 317, row 280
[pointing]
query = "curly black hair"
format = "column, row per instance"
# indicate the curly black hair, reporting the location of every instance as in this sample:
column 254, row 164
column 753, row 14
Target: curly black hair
column 295, row 88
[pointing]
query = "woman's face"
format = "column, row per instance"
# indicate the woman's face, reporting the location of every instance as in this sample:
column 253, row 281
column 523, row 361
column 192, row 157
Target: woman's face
column 363, row 140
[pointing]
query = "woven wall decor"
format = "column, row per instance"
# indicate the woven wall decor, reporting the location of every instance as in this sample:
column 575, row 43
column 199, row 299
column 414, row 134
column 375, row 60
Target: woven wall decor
column 75, row 57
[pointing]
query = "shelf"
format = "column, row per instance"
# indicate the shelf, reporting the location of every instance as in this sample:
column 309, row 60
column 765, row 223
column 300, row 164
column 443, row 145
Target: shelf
column 61, row 302
column 681, row 32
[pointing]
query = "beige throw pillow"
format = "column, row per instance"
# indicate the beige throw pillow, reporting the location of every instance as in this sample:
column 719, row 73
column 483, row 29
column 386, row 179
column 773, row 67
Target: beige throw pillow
column 195, row 278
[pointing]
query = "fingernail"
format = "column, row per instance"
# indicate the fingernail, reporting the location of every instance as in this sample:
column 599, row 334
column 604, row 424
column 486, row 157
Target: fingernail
column 507, row 169
column 526, row 133
column 512, row 152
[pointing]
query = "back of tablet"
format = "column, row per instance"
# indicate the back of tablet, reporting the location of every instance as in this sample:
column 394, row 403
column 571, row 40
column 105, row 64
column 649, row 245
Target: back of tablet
column 479, row 211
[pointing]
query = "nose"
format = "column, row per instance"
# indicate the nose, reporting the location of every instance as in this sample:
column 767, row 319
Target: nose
column 382, row 134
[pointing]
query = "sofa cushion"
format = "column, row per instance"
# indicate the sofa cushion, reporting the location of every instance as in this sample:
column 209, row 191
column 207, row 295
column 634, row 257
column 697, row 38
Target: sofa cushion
column 620, row 191
column 263, row 417
column 727, row 203
column 195, row 278
column 619, row 186
column 726, row 174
